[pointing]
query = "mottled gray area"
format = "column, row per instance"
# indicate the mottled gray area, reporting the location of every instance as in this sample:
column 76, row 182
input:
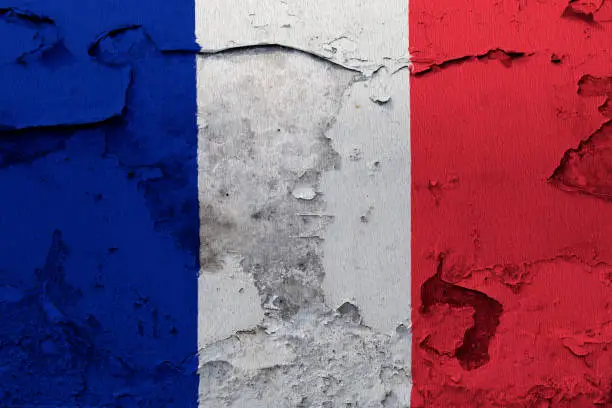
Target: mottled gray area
column 262, row 133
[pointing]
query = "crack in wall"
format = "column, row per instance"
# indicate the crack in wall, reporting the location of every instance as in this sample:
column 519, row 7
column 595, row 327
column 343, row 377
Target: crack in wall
column 357, row 40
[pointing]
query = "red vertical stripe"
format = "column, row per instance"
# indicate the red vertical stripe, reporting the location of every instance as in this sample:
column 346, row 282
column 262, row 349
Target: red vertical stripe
column 511, row 203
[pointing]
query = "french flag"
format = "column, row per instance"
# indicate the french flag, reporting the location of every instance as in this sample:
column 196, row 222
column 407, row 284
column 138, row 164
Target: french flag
column 306, row 204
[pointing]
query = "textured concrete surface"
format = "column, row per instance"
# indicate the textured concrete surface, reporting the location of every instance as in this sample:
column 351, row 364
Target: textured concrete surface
column 304, row 293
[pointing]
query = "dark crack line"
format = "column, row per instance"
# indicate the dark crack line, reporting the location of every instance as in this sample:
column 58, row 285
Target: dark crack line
column 262, row 48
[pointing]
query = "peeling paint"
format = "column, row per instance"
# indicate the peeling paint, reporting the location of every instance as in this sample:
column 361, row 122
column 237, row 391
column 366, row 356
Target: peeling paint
column 317, row 359
column 361, row 35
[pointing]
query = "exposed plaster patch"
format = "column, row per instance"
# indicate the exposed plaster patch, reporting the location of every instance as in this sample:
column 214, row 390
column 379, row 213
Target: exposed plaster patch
column 289, row 144
column 318, row 359
column 250, row 351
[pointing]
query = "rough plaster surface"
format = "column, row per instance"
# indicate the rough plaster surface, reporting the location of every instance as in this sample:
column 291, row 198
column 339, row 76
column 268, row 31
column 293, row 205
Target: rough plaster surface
column 304, row 205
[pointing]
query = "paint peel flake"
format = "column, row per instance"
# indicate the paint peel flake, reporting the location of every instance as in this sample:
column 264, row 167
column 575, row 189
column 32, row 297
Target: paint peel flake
column 583, row 10
column 120, row 45
column 421, row 66
column 304, row 192
column 29, row 35
column 586, row 169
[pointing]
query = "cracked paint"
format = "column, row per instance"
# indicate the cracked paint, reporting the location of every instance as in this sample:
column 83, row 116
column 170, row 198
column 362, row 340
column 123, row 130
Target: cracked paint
column 423, row 65
column 361, row 35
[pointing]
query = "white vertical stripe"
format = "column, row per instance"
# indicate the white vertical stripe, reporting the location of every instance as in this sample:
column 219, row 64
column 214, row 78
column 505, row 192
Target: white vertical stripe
column 287, row 238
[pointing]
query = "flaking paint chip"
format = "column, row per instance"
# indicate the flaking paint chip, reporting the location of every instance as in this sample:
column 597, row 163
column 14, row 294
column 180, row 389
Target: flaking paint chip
column 304, row 193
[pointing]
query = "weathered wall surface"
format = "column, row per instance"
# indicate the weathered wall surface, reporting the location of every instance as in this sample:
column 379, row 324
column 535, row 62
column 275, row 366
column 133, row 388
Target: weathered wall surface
column 304, row 293
column 99, row 211
column 512, row 224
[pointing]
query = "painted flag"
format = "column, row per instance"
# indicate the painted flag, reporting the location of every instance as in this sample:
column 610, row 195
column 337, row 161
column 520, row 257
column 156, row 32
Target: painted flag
column 297, row 204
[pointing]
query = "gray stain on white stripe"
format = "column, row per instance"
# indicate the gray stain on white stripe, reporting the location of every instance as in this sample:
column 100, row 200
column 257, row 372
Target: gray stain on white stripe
column 276, row 266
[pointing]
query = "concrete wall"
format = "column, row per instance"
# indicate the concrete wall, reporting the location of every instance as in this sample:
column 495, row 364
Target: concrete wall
column 304, row 159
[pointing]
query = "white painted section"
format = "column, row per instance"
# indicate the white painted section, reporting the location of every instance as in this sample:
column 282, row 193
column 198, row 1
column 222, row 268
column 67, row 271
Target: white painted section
column 267, row 121
column 367, row 247
column 359, row 34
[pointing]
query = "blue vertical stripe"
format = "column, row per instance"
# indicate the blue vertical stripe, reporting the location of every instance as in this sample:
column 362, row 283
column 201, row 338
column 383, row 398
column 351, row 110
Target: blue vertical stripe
column 98, row 210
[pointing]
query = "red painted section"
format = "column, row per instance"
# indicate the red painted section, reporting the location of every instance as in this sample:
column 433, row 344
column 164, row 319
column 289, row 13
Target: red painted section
column 511, row 203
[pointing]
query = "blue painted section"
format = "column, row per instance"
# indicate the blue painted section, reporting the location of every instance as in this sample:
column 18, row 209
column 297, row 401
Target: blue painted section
column 72, row 90
column 99, row 214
